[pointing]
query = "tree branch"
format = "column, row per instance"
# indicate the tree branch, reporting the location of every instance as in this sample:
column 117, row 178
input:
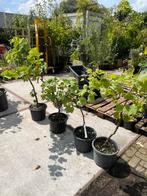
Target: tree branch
column 35, row 93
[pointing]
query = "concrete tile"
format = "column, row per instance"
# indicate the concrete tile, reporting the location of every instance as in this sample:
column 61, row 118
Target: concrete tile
column 130, row 152
column 63, row 171
column 143, row 164
column 15, row 104
column 143, row 151
column 140, row 169
column 141, row 156
column 23, row 89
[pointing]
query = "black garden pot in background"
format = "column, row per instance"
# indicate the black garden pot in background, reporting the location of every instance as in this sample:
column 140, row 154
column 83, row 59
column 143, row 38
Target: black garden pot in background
column 145, row 111
column 3, row 100
column 130, row 125
column 80, row 73
column 38, row 113
column 57, row 122
column 104, row 160
column 83, row 144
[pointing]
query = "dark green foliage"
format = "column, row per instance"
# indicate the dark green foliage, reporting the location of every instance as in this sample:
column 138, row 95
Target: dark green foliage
column 68, row 6
column 123, row 10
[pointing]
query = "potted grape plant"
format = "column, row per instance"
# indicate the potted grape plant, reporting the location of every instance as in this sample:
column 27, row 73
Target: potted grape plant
column 124, row 86
column 29, row 66
column 60, row 92
column 84, row 135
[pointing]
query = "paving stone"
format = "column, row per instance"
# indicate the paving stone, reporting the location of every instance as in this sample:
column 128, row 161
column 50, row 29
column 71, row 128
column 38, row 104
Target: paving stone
column 125, row 157
column 140, row 169
column 142, row 139
column 145, row 145
column 141, row 156
column 143, row 151
column 139, row 145
column 143, row 164
column 131, row 151
column 145, row 173
column 136, row 146
column 134, row 161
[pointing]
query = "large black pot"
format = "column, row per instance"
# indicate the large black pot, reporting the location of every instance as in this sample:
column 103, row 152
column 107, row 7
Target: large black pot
column 38, row 113
column 80, row 73
column 3, row 100
column 101, row 159
column 83, row 144
column 130, row 125
column 145, row 111
column 57, row 122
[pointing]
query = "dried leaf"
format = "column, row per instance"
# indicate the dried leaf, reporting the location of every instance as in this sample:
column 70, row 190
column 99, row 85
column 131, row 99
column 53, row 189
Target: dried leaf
column 37, row 139
column 37, row 167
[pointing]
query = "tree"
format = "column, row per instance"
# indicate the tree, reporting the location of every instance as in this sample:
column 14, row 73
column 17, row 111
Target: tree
column 43, row 8
column 68, row 6
column 28, row 64
column 123, row 10
column 71, row 6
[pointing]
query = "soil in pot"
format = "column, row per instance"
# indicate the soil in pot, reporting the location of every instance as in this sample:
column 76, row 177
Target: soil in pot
column 105, row 154
column 83, row 144
column 3, row 100
column 58, row 122
column 108, row 148
column 38, row 112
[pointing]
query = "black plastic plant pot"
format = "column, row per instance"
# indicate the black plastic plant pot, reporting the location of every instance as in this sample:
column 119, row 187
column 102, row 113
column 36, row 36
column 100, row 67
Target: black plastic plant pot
column 83, row 144
column 80, row 73
column 145, row 111
column 38, row 113
column 58, row 122
column 104, row 160
column 3, row 100
column 130, row 125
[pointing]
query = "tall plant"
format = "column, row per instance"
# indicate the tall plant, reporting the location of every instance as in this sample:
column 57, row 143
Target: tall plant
column 125, row 86
column 87, row 94
column 28, row 63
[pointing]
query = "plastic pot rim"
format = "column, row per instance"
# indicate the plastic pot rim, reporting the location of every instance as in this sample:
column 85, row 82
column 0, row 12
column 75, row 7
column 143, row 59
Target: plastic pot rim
column 65, row 115
column 3, row 90
column 102, row 137
column 41, row 106
column 84, row 139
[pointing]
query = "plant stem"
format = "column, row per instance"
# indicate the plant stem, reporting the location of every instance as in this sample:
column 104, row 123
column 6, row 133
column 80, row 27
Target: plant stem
column 116, row 128
column 85, row 131
column 59, row 110
column 118, row 124
column 35, row 94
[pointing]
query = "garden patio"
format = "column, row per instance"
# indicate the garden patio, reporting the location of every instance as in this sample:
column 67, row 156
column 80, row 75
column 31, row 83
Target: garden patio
column 36, row 162
column 73, row 99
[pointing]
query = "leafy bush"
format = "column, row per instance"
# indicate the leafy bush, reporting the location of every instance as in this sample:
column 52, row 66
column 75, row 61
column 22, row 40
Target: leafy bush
column 126, row 87
column 27, row 61
column 60, row 92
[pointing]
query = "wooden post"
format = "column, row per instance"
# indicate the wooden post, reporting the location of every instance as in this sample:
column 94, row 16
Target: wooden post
column 45, row 42
column 29, row 34
column 36, row 32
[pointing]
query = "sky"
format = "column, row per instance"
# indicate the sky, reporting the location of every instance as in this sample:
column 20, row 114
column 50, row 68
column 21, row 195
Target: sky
column 23, row 6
